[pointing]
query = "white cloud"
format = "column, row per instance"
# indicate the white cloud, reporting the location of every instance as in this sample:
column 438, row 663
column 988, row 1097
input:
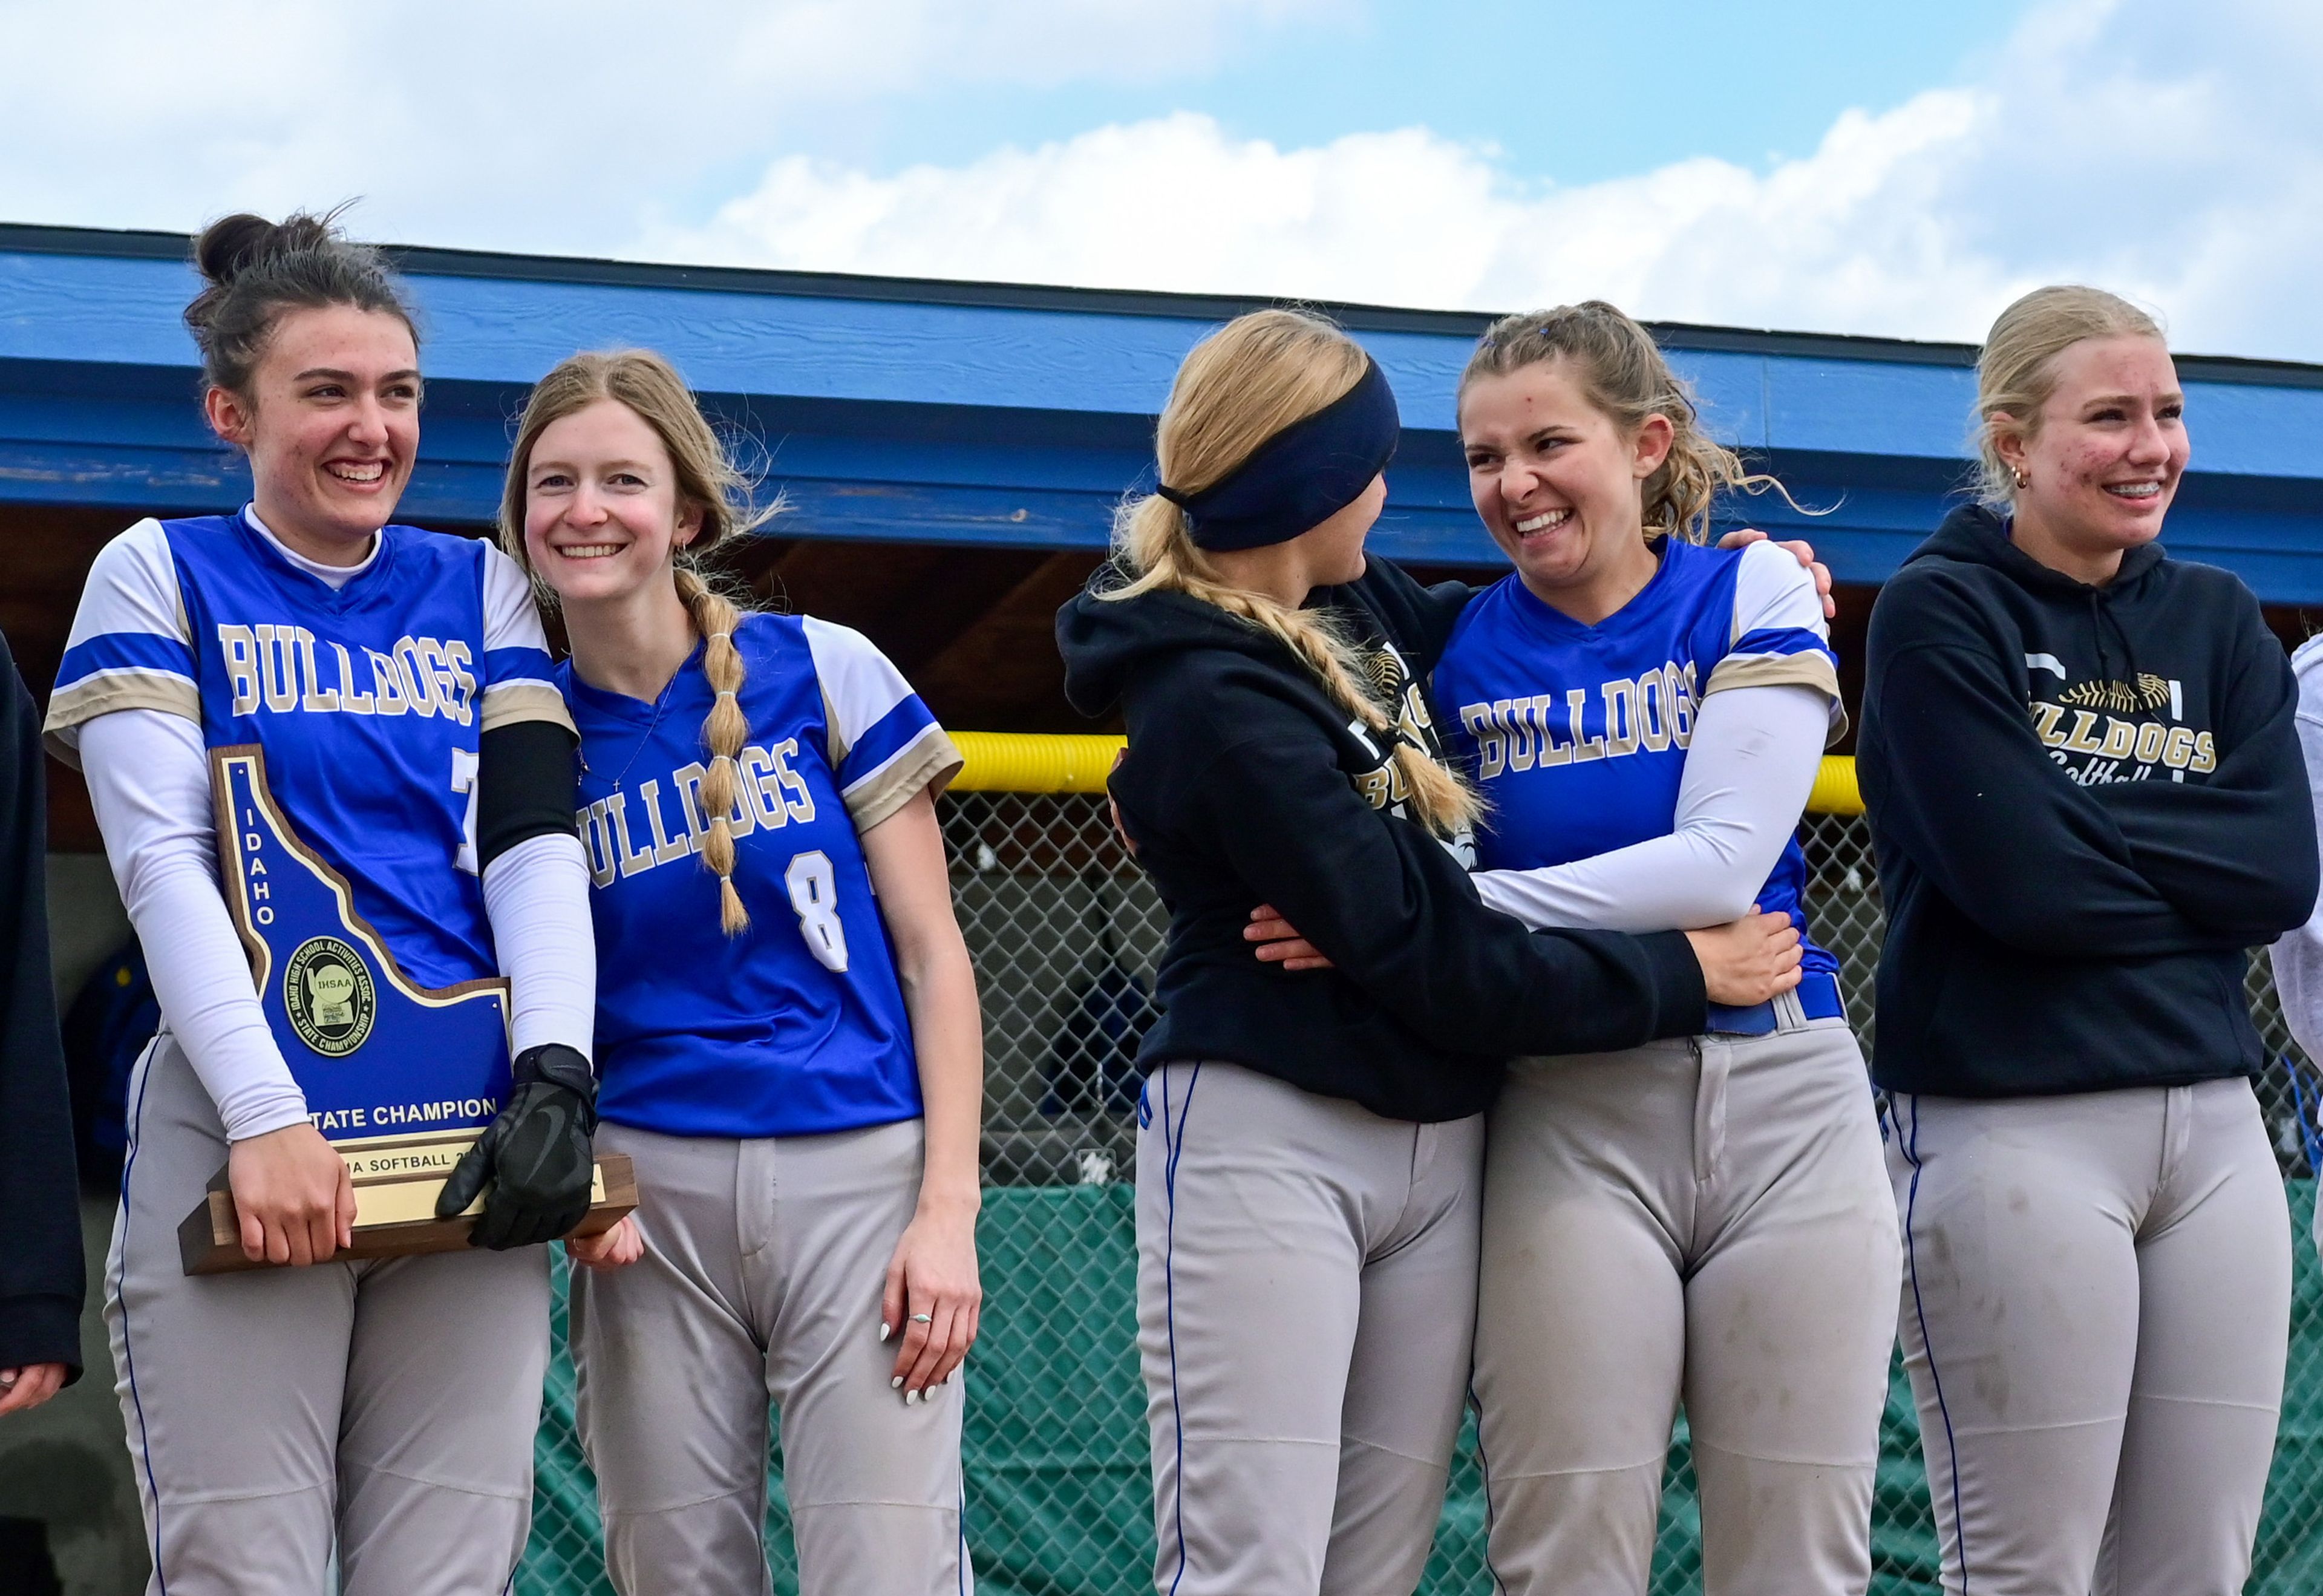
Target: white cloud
column 2174, row 155
column 2120, row 141
column 541, row 126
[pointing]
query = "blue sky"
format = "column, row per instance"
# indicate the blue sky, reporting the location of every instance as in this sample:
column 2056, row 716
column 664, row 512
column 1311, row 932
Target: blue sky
column 1902, row 171
column 1571, row 93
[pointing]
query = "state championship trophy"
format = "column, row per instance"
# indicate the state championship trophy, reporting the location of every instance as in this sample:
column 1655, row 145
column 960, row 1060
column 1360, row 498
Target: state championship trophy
column 401, row 1080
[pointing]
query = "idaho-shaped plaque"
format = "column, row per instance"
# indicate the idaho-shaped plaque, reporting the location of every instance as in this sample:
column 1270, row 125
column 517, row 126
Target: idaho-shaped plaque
column 401, row 1078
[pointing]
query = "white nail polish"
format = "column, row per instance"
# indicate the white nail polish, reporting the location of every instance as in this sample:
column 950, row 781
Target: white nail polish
column 911, row 1398
column 886, row 1330
column 897, row 1383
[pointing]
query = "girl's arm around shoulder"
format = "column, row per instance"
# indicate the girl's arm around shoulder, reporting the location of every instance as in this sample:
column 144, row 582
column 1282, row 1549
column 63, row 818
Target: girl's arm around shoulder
column 1772, row 588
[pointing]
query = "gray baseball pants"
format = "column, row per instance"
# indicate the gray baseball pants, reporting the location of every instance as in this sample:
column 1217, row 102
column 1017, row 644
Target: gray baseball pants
column 1306, row 1298
column 2095, row 1312
column 764, row 1266
column 390, row 1403
column 1704, row 1220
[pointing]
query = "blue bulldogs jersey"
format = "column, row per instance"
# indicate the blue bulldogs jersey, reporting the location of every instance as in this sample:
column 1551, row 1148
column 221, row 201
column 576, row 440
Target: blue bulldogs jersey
column 1577, row 734
column 368, row 699
column 797, row 1026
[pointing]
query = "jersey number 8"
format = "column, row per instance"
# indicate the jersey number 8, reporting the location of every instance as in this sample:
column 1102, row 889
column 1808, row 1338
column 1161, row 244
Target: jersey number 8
column 814, row 898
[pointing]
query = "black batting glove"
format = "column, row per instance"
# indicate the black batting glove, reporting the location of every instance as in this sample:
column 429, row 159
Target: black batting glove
column 536, row 1154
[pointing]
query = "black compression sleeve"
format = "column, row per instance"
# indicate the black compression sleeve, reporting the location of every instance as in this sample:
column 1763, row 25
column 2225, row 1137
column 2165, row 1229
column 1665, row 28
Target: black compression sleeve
column 527, row 781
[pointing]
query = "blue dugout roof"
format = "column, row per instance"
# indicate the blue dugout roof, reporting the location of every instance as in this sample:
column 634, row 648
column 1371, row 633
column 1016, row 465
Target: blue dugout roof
column 1010, row 416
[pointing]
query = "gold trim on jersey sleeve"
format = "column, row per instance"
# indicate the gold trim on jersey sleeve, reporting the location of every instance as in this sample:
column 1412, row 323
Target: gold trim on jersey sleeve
column 929, row 760
column 108, row 691
column 508, row 702
column 1773, row 670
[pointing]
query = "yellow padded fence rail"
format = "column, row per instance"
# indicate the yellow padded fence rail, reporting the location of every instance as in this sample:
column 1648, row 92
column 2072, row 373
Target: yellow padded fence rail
column 1033, row 762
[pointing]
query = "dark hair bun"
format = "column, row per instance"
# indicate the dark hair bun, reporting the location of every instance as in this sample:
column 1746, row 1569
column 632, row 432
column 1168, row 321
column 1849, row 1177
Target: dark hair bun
column 234, row 245
column 257, row 269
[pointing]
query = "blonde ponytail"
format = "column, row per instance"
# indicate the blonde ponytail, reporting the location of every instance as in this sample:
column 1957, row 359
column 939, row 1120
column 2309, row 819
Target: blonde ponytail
column 1243, row 384
column 707, row 481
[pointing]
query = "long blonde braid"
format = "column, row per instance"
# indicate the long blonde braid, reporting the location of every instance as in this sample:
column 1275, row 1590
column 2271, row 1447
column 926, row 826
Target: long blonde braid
column 707, row 480
column 715, row 617
column 1245, row 383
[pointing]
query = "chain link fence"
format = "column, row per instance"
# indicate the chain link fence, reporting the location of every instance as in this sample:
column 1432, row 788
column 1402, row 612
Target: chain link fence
column 1065, row 931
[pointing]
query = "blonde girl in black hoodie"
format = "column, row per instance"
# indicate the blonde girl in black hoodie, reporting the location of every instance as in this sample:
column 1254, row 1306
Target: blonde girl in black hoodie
column 2082, row 772
column 1309, row 1150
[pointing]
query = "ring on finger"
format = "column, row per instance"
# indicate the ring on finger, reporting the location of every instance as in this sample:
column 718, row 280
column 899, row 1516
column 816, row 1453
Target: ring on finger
column 924, row 1318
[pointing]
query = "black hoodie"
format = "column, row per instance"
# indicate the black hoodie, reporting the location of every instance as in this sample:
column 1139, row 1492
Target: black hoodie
column 2088, row 802
column 1246, row 783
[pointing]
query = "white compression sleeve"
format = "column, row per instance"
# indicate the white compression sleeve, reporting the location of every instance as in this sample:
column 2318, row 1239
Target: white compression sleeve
column 149, row 779
column 536, row 895
column 1748, row 769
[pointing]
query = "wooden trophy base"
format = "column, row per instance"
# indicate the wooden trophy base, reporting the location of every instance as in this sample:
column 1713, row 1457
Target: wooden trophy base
column 395, row 1213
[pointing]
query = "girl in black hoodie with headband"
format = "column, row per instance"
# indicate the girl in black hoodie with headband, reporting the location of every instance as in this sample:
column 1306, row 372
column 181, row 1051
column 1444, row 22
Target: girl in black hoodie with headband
column 1311, row 1143
column 2084, row 779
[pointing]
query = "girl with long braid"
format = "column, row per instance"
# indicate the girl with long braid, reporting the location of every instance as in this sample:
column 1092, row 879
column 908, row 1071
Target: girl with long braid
column 794, row 1063
column 1310, row 1145
column 1702, row 1218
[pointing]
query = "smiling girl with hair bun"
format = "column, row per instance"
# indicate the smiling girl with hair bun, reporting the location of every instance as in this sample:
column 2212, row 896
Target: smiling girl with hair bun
column 792, row 1052
column 384, row 1409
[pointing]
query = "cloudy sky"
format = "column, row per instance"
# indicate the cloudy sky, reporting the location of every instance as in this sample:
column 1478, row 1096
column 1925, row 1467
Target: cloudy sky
column 1828, row 165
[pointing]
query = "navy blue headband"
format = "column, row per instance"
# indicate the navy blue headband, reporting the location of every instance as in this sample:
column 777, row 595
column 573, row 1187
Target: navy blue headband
column 1300, row 477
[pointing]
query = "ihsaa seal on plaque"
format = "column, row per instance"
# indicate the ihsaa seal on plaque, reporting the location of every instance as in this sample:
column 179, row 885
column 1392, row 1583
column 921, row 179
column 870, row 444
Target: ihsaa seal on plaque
column 327, row 993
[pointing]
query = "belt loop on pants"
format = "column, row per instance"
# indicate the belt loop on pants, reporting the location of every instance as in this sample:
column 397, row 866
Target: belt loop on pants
column 1714, row 1058
column 1817, row 996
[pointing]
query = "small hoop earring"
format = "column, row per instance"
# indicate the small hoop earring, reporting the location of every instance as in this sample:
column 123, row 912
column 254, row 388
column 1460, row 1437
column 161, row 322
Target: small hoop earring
column 2023, row 480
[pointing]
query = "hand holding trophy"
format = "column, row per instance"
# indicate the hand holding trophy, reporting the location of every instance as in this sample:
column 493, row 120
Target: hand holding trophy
column 292, row 1196
column 440, row 1142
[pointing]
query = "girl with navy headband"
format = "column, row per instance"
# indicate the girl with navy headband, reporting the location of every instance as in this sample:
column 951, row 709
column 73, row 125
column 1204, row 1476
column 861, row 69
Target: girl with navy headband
column 1310, row 1144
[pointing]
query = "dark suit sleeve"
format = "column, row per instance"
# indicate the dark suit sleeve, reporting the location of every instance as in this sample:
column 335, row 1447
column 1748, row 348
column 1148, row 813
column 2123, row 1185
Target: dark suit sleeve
column 1398, row 915
column 41, row 1275
column 2235, row 852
